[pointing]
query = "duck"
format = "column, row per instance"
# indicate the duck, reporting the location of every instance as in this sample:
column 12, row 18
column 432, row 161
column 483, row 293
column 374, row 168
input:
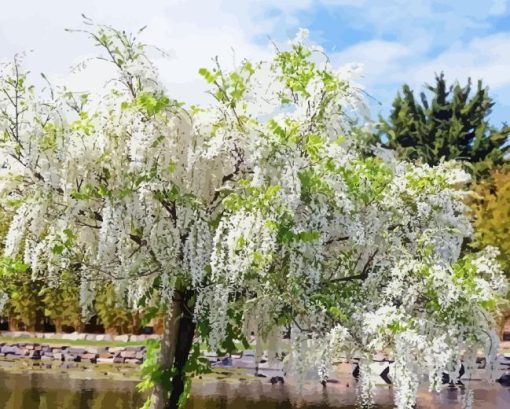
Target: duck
column 355, row 372
column 504, row 380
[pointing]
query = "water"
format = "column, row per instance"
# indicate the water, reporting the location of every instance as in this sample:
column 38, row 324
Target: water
column 26, row 390
column 58, row 391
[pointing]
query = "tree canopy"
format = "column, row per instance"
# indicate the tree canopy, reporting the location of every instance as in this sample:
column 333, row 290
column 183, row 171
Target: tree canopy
column 453, row 124
column 263, row 210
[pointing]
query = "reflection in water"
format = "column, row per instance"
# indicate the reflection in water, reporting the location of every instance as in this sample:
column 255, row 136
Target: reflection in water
column 43, row 391
column 314, row 396
column 59, row 391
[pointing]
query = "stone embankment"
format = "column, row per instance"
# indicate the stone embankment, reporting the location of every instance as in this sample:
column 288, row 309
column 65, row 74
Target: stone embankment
column 72, row 352
column 66, row 353
column 132, row 354
column 17, row 347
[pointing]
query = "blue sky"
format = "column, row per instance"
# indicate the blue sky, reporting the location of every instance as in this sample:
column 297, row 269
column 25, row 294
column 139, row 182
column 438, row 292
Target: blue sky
column 408, row 41
column 396, row 41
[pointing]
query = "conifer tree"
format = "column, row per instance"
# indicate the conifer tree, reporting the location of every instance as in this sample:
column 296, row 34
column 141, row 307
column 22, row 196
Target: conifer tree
column 451, row 125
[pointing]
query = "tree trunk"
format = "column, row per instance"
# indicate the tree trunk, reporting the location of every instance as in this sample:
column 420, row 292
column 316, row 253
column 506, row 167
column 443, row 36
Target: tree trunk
column 13, row 324
column 502, row 324
column 79, row 326
column 167, row 352
column 58, row 326
column 136, row 323
column 183, row 348
column 39, row 321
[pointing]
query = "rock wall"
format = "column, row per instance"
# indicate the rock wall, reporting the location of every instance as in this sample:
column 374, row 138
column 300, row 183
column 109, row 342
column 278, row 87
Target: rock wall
column 67, row 353
column 131, row 354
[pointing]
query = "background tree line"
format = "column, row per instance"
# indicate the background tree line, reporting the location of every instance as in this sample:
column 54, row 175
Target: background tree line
column 35, row 305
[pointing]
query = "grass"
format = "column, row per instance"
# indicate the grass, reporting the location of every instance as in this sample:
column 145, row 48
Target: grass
column 70, row 342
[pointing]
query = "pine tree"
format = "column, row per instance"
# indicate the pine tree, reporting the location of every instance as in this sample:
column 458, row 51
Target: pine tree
column 452, row 125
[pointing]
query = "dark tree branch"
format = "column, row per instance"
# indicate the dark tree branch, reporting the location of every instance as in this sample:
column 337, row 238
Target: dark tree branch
column 362, row 276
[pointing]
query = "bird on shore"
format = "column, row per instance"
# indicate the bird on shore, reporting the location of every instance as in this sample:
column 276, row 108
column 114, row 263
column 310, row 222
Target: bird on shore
column 447, row 380
column 385, row 375
column 504, row 380
column 355, row 372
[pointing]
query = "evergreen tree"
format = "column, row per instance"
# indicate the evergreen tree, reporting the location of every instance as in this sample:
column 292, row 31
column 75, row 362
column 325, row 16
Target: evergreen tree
column 452, row 125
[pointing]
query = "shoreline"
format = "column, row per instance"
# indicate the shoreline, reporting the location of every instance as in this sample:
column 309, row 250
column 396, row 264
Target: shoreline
column 66, row 351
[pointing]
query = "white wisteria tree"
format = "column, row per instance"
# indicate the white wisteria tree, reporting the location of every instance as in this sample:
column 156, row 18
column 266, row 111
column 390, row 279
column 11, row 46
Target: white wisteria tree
column 265, row 210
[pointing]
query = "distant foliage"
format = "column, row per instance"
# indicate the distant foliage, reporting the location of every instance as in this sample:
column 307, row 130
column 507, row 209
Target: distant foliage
column 452, row 125
column 492, row 214
column 61, row 303
column 491, row 208
column 113, row 313
column 24, row 304
column 31, row 299
column 20, row 302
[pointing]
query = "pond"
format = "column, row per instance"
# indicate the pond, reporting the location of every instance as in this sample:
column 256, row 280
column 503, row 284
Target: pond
column 27, row 390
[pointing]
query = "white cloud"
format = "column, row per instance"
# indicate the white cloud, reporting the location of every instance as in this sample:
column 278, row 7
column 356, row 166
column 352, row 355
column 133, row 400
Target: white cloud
column 410, row 40
column 193, row 31
column 434, row 23
column 390, row 64
column 498, row 7
column 486, row 58
column 380, row 60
